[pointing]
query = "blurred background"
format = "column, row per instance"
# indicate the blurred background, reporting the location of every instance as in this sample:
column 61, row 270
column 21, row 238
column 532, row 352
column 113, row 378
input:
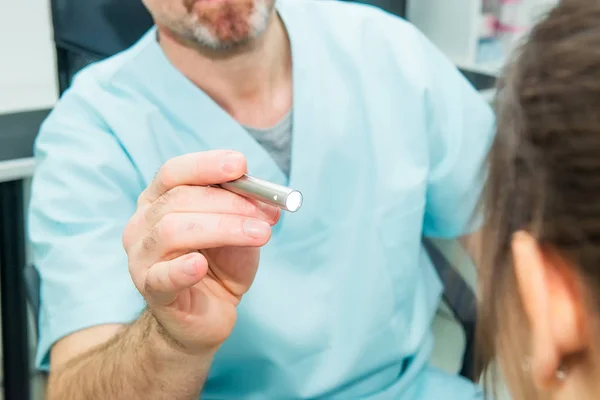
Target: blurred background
column 43, row 42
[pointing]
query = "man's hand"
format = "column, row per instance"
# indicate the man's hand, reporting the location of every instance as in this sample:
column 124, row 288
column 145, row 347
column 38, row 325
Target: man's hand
column 193, row 249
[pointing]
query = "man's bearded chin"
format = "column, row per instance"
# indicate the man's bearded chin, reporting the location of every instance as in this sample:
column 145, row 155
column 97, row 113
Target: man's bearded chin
column 227, row 24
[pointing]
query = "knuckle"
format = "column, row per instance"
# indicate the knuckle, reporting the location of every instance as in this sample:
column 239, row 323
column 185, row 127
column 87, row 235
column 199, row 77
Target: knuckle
column 128, row 236
column 147, row 289
column 158, row 207
column 150, row 242
column 163, row 199
column 150, row 285
column 141, row 200
column 133, row 231
column 167, row 229
column 165, row 177
column 180, row 197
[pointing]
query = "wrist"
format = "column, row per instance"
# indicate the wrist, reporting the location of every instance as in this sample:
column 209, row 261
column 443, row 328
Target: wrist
column 165, row 344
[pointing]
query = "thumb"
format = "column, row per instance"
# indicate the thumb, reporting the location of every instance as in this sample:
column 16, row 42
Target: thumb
column 165, row 280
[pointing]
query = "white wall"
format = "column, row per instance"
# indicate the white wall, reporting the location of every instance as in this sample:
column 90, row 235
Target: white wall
column 27, row 61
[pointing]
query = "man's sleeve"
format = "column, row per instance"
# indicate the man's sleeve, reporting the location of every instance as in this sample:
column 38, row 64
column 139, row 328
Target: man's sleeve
column 461, row 127
column 83, row 193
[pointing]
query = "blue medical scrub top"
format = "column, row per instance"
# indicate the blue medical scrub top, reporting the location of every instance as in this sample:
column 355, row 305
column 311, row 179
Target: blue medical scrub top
column 388, row 144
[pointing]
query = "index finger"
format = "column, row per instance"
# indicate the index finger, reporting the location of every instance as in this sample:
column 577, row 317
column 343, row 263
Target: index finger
column 196, row 169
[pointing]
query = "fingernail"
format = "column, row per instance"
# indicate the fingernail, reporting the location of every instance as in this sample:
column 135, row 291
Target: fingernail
column 190, row 267
column 256, row 228
column 231, row 163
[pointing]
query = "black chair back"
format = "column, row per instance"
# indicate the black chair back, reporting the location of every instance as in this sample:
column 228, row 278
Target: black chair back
column 91, row 30
column 396, row 7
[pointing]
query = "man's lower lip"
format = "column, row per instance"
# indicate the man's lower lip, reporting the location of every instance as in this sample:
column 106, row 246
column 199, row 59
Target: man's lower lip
column 192, row 3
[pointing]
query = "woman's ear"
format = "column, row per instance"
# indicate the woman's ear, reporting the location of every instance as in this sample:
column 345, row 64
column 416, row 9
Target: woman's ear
column 551, row 298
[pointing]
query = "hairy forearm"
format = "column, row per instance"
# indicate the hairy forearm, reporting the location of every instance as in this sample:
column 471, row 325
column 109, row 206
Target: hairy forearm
column 138, row 363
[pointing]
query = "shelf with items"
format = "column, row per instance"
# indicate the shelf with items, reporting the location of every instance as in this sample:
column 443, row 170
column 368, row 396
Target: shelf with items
column 477, row 35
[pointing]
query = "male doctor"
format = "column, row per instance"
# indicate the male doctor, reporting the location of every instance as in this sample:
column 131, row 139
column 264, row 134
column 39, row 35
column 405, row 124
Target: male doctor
column 151, row 281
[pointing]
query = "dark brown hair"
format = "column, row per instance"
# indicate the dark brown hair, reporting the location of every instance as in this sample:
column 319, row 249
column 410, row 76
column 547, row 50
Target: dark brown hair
column 543, row 172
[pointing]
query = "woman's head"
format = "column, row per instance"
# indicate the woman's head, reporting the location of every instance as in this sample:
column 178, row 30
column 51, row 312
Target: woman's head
column 540, row 310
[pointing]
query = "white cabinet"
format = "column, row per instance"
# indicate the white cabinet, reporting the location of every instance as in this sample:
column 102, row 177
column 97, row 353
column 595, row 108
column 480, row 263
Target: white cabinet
column 455, row 26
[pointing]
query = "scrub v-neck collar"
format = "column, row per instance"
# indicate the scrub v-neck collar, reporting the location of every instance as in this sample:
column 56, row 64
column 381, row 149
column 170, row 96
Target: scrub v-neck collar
column 213, row 126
